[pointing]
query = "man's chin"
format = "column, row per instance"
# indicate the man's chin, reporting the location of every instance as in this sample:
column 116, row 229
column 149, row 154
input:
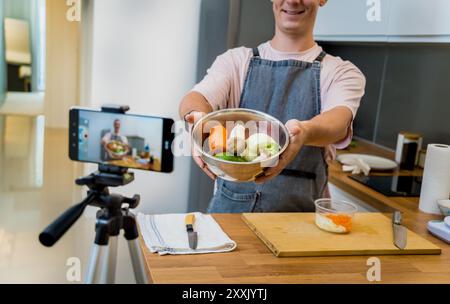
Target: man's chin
column 292, row 29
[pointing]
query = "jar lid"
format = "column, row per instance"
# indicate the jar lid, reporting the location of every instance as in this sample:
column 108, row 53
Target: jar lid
column 412, row 136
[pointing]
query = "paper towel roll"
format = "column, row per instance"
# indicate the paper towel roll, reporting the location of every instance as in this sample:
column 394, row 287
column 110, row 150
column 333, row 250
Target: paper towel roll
column 436, row 178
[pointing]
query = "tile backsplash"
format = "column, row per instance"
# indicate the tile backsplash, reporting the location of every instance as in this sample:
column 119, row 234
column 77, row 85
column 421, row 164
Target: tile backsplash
column 408, row 89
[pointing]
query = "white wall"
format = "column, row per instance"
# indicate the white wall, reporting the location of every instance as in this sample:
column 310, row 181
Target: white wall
column 62, row 65
column 2, row 55
column 144, row 54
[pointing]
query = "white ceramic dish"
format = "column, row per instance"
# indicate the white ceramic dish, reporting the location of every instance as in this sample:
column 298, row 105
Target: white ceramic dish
column 375, row 162
column 444, row 205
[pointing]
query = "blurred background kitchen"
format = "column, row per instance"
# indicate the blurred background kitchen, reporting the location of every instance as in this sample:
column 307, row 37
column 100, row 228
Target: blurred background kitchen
column 148, row 54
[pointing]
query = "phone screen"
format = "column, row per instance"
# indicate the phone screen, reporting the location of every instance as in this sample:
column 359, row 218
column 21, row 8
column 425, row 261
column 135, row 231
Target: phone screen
column 123, row 140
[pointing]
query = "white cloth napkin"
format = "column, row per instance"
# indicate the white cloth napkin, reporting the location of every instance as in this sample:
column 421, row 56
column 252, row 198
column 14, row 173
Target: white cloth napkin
column 166, row 234
column 355, row 165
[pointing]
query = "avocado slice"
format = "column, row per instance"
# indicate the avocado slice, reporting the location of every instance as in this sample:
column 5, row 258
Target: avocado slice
column 230, row 157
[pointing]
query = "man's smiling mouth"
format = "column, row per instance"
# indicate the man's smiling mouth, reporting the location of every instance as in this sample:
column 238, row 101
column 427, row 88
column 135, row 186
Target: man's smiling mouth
column 293, row 12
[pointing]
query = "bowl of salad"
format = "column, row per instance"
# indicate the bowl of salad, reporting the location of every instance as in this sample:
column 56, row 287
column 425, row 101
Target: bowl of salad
column 239, row 144
column 117, row 149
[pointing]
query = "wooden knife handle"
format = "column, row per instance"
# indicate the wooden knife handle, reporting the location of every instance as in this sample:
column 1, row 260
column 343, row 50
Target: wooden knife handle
column 189, row 219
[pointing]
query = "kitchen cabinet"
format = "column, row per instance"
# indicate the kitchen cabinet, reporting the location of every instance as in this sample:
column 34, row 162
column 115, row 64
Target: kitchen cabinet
column 357, row 20
column 419, row 21
column 384, row 21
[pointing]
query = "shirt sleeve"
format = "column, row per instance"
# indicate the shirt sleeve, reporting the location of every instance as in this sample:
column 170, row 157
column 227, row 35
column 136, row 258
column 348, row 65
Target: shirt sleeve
column 106, row 138
column 216, row 85
column 346, row 89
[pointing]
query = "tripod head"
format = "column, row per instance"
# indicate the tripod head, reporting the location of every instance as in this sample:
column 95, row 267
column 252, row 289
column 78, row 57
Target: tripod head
column 106, row 176
column 98, row 196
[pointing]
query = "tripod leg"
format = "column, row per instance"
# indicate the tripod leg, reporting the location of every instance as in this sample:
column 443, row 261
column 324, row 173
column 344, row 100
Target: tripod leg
column 99, row 270
column 112, row 260
column 98, row 264
column 132, row 236
column 137, row 261
column 92, row 264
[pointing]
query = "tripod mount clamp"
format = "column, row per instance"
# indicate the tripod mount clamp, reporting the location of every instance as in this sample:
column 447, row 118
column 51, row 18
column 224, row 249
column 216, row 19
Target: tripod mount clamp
column 106, row 176
column 113, row 108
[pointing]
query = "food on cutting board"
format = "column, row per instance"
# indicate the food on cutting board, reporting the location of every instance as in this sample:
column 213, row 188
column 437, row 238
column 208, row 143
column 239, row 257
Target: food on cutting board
column 334, row 215
column 237, row 148
column 338, row 223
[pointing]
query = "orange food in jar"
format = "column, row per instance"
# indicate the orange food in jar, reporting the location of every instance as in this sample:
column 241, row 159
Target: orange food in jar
column 218, row 139
column 343, row 220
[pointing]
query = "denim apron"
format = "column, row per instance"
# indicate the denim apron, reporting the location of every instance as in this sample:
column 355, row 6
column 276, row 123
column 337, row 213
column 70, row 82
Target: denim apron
column 286, row 89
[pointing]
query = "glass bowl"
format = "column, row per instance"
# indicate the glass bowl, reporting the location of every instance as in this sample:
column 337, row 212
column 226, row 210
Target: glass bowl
column 334, row 215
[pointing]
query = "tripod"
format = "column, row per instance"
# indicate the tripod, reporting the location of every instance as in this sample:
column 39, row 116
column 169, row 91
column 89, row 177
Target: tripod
column 110, row 219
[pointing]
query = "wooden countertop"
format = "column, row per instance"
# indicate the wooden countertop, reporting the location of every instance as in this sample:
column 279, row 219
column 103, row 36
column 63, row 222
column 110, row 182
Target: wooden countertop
column 252, row 262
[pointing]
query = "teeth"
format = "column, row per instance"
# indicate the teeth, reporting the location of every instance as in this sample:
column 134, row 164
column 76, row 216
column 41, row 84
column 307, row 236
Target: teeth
column 292, row 12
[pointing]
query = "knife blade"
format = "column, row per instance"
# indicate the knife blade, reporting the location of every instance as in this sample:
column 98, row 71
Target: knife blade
column 192, row 235
column 399, row 231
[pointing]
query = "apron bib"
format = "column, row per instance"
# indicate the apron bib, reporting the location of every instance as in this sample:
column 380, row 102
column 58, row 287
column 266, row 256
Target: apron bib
column 286, row 89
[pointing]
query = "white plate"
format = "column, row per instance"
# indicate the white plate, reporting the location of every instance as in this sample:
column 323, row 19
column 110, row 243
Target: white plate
column 375, row 162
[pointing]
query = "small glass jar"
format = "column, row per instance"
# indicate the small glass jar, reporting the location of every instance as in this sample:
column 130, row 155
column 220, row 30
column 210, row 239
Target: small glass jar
column 335, row 215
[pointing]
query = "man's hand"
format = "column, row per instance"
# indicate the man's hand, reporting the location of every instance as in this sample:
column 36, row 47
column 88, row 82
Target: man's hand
column 297, row 138
column 192, row 118
column 195, row 100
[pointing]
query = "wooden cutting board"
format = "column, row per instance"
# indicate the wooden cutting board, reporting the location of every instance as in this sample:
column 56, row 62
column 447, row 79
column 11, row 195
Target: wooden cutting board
column 296, row 234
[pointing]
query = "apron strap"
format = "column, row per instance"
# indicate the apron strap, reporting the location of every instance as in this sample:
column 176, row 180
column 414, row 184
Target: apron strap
column 320, row 57
column 255, row 52
column 298, row 173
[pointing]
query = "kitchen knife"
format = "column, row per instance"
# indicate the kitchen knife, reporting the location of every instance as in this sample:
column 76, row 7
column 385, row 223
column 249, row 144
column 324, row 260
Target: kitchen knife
column 399, row 230
column 192, row 235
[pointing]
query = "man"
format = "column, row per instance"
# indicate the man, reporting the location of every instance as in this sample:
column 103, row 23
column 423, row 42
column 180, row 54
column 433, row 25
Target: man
column 113, row 136
column 291, row 78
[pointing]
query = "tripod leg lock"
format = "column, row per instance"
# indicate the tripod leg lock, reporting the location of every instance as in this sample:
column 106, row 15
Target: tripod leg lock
column 101, row 234
column 132, row 202
column 130, row 226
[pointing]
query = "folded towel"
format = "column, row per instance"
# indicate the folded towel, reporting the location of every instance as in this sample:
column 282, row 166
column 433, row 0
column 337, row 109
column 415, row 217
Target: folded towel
column 356, row 166
column 166, row 234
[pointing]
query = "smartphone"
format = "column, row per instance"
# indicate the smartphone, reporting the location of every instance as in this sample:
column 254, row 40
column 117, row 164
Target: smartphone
column 122, row 140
